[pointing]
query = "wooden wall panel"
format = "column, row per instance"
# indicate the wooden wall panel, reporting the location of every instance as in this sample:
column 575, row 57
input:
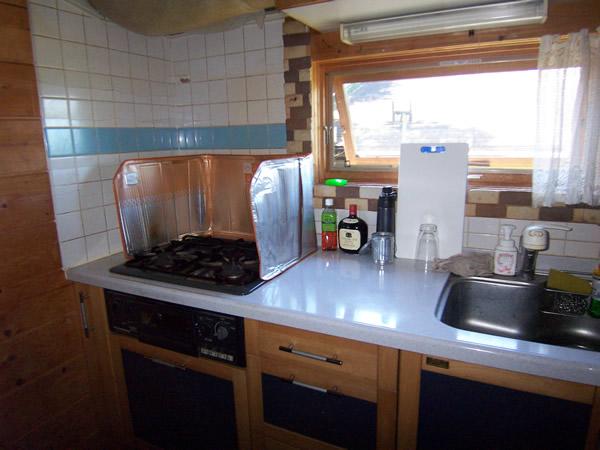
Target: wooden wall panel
column 32, row 354
column 18, row 91
column 25, row 199
column 14, row 35
column 19, row 315
column 24, row 410
column 21, row 147
column 28, row 250
column 72, row 429
column 44, row 379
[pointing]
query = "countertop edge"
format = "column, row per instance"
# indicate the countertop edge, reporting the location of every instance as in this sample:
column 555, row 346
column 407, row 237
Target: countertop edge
column 547, row 366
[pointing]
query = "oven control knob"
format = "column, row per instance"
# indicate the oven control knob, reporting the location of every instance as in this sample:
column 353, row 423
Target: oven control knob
column 221, row 332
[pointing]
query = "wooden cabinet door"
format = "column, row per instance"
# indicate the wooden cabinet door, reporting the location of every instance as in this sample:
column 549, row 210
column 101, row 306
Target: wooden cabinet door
column 328, row 393
column 455, row 405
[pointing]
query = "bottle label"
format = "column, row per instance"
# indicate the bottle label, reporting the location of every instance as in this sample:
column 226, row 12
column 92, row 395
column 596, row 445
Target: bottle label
column 327, row 226
column 350, row 220
column 350, row 239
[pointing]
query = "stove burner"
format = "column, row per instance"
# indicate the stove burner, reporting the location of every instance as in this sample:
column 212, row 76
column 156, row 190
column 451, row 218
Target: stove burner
column 205, row 262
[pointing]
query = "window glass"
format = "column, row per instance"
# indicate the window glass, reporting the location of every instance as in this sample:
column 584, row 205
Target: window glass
column 494, row 112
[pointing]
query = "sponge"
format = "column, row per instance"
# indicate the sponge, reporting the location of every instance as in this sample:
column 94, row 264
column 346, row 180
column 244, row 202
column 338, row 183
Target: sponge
column 566, row 282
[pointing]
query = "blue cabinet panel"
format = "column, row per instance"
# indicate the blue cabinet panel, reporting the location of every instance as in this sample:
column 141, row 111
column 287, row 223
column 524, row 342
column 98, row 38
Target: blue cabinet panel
column 460, row 414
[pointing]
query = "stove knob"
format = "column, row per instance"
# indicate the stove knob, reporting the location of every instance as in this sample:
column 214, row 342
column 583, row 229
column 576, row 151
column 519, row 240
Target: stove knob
column 221, row 332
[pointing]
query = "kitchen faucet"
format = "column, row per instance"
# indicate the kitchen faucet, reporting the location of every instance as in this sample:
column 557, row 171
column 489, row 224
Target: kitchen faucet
column 535, row 238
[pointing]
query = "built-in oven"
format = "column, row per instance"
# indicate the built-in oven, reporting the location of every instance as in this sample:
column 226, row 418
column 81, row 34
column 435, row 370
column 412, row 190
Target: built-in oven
column 177, row 401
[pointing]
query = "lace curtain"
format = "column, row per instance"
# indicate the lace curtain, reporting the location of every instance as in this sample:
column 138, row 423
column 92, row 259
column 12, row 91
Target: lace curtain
column 567, row 159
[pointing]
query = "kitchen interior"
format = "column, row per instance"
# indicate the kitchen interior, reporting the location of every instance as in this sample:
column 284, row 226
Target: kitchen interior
column 223, row 260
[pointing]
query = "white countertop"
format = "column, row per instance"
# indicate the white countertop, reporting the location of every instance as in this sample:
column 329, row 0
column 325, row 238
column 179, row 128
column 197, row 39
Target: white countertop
column 348, row 296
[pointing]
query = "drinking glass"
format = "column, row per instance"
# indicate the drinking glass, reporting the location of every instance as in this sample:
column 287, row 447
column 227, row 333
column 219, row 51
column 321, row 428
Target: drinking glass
column 427, row 246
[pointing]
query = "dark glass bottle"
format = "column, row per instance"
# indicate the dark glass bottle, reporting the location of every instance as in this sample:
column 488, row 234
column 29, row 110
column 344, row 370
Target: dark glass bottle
column 352, row 232
column 386, row 210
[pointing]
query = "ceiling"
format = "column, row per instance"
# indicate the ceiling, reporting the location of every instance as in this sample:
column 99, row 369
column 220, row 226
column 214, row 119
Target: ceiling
column 328, row 15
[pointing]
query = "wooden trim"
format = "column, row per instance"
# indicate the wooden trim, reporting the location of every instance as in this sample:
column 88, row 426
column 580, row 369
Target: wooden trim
column 287, row 4
column 387, row 397
column 297, row 440
column 409, row 389
column 255, row 403
column 242, row 414
column 550, row 387
column 331, row 74
column 593, row 437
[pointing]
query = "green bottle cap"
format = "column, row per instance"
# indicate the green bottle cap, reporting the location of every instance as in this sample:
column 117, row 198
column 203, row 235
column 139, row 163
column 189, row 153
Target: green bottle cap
column 336, row 182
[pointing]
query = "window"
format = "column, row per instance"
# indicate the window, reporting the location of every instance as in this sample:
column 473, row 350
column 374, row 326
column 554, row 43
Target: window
column 487, row 99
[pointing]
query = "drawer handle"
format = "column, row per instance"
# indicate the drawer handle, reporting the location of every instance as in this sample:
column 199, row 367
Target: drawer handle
column 291, row 349
column 292, row 380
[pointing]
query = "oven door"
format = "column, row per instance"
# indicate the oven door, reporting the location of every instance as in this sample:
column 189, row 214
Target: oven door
column 168, row 327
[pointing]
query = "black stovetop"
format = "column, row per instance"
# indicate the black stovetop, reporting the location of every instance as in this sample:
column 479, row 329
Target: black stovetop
column 222, row 265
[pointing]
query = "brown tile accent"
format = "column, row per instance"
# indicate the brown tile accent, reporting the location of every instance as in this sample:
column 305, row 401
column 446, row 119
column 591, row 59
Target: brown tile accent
column 291, row 40
column 289, row 88
column 294, row 123
column 291, row 76
column 297, row 51
column 372, row 203
column 591, row 216
column 304, row 74
column 306, row 146
column 470, row 210
column 348, row 191
column 303, row 87
column 485, row 210
column 339, row 203
column 299, row 63
column 294, row 101
column 301, row 112
column 294, row 147
column 483, row 196
column 289, row 134
column 361, row 203
column 291, row 26
column 556, row 214
column 322, row 190
column 522, row 212
column 515, row 198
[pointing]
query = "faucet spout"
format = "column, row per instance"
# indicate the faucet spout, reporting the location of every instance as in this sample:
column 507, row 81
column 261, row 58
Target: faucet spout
column 535, row 239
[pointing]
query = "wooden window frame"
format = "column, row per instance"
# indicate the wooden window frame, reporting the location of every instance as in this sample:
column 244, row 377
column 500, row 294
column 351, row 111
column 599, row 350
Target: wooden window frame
column 329, row 74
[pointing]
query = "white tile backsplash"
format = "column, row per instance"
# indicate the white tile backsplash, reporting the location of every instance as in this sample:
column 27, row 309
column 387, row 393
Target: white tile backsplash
column 71, row 27
column 95, row 32
column 43, row 21
column 94, row 73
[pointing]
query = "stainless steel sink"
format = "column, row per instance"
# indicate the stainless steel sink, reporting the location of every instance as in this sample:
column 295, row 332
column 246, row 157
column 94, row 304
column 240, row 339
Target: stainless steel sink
column 520, row 310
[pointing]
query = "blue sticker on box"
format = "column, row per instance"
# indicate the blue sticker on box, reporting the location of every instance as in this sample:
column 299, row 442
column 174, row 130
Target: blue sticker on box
column 433, row 149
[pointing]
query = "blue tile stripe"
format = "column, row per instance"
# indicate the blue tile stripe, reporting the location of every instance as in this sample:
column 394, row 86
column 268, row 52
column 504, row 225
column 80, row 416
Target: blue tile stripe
column 94, row 141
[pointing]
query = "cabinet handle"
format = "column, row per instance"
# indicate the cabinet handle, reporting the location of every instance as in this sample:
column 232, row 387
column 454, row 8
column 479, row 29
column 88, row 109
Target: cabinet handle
column 292, row 380
column 164, row 363
column 291, row 349
column 83, row 312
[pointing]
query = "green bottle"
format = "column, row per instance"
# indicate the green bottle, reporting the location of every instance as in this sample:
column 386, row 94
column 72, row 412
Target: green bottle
column 329, row 227
column 594, row 309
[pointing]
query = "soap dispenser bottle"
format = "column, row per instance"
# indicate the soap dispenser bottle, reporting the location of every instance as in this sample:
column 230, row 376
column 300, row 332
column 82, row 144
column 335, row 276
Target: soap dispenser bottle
column 505, row 254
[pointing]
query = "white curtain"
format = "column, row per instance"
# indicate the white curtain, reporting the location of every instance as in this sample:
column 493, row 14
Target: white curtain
column 567, row 158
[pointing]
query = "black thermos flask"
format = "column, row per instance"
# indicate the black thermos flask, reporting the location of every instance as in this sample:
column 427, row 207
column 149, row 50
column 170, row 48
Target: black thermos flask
column 386, row 210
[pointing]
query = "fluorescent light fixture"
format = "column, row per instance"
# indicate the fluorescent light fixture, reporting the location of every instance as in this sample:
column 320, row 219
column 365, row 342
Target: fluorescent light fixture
column 508, row 13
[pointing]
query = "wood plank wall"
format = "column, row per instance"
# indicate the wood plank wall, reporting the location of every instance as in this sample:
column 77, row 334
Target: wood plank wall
column 45, row 399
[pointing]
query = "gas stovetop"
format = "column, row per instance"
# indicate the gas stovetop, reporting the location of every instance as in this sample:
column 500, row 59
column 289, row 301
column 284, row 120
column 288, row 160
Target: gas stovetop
column 223, row 265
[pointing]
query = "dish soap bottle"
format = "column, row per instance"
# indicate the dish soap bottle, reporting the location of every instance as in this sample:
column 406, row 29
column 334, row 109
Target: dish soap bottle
column 353, row 232
column 328, row 227
column 505, row 254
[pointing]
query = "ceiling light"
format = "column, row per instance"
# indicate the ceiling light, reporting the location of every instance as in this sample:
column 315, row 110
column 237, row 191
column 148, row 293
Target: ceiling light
column 508, row 13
